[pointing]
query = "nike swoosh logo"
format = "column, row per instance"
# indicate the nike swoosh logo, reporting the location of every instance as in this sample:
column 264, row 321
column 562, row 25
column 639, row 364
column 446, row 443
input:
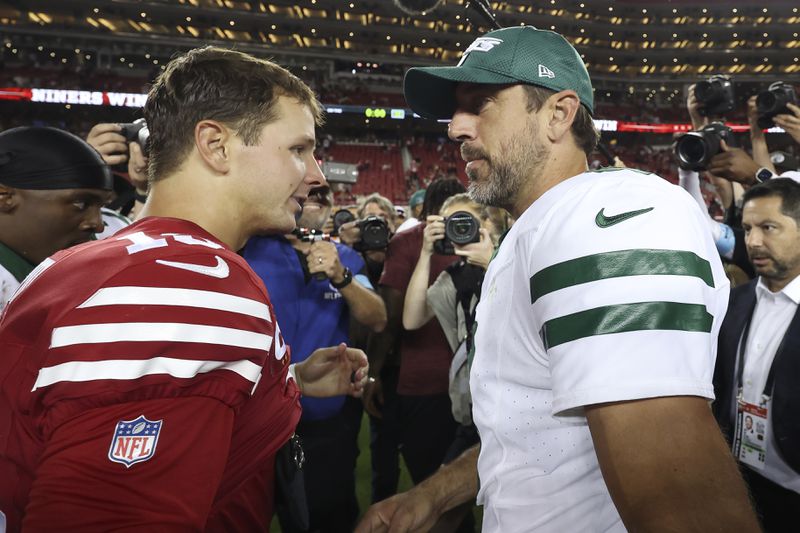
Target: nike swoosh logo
column 221, row 270
column 603, row 221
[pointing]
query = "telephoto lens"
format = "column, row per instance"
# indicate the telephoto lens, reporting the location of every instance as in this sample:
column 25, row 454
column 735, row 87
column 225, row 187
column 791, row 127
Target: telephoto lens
column 695, row 149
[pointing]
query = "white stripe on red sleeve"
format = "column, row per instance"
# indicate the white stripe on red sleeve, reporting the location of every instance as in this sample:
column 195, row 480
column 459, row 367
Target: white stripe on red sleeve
column 158, row 332
column 121, row 369
column 110, row 296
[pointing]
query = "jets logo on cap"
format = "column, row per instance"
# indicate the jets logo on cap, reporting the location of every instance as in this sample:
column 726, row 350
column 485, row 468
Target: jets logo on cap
column 481, row 44
column 545, row 72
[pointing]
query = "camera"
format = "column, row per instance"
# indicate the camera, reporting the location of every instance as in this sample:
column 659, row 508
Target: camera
column 136, row 131
column 374, row 234
column 773, row 102
column 341, row 217
column 459, row 228
column 311, row 235
column 715, row 96
column 695, row 149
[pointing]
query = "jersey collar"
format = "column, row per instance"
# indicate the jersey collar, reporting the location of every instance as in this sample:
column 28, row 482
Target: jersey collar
column 18, row 266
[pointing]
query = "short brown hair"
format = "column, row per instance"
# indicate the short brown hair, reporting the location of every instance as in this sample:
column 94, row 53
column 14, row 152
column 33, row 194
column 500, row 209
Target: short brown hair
column 583, row 131
column 214, row 83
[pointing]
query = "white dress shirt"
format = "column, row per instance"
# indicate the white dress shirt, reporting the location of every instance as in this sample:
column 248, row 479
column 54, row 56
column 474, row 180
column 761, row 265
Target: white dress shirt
column 773, row 314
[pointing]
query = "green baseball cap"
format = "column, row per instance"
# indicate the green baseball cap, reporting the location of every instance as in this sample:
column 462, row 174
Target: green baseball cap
column 522, row 54
column 417, row 198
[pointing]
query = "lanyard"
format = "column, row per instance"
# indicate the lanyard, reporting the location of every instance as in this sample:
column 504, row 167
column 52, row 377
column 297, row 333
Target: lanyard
column 767, row 392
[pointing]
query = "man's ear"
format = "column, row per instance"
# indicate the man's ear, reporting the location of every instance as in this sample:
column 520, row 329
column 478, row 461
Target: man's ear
column 9, row 199
column 213, row 142
column 563, row 107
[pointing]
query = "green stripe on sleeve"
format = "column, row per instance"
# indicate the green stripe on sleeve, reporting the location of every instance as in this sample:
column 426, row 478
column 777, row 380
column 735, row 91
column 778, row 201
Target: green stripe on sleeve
column 626, row 317
column 619, row 264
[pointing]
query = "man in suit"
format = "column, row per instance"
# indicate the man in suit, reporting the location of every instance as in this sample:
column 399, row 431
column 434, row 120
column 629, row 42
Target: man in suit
column 758, row 362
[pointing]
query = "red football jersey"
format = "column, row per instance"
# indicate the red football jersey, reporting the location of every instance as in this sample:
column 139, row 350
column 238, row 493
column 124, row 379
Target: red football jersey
column 143, row 382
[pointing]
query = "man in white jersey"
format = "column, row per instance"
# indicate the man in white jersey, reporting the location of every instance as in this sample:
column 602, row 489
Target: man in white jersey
column 596, row 330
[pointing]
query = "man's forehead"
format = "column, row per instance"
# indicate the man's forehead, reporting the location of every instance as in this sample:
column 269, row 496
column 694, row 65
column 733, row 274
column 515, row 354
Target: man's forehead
column 763, row 203
column 465, row 90
column 69, row 193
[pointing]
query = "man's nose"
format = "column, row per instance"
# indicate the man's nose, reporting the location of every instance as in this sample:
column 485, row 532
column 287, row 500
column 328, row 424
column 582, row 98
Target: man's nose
column 462, row 127
column 754, row 239
column 314, row 175
column 93, row 221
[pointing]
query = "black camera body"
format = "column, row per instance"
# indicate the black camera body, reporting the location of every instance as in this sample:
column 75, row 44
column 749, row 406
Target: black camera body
column 773, row 102
column 375, row 234
column 136, row 131
column 695, row 149
column 459, row 228
column 715, row 96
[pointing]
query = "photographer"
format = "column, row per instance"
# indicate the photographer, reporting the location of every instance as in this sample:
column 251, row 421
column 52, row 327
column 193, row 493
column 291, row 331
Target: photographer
column 318, row 285
column 116, row 148
column 424, row 419
column 373, row 251
column 734, row 163
column 728, row 238
column 452, row 299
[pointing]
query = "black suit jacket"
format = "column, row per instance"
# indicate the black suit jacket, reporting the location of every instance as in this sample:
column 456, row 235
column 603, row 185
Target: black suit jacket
column 786, row 387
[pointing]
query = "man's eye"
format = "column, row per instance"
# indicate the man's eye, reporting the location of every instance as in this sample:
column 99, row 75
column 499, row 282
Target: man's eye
column 80, row 204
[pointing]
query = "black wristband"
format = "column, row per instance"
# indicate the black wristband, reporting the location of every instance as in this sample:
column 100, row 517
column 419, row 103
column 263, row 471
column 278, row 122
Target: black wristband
column 346, row 280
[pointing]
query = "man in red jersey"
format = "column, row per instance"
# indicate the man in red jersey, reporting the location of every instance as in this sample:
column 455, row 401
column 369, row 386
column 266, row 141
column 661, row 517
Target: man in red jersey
column 144, row 382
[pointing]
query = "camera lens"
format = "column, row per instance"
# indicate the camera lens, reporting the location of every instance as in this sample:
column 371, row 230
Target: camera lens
column 704, row 91
column 374, row 234
column 462, row 228
column 766, row 102
column 342, row 216
column 693, row 149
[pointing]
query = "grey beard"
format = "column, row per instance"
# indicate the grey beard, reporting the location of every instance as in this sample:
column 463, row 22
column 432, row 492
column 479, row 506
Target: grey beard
column 499, row 190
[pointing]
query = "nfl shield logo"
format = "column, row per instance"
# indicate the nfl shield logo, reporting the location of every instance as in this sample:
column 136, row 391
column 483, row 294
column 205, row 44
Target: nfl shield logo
column 134, row 441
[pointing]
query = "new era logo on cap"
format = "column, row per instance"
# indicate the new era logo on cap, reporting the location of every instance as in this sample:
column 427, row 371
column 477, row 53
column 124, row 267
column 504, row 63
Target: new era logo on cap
column 481, row 44
column 545, row 72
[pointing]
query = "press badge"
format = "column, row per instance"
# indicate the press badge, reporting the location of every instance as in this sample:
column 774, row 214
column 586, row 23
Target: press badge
column 751, row 434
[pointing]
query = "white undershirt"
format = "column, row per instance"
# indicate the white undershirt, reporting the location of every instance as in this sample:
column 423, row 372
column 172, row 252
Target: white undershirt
column 771, row 318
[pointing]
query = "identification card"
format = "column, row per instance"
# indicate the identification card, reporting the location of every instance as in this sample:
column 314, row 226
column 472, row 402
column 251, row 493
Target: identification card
column 751, row 434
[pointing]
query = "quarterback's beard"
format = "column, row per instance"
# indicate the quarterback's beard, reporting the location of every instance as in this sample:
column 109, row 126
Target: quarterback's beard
column 523, row 158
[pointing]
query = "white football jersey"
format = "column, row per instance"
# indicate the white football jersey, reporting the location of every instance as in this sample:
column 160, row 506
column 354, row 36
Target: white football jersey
column 607, row 288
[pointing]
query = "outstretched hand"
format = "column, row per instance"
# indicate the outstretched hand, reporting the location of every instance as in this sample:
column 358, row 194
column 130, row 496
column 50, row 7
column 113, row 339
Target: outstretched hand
column 333, row 371
column 406, row 512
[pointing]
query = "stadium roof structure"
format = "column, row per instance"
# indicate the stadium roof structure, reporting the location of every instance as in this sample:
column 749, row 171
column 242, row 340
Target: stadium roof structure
column 635, row 41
